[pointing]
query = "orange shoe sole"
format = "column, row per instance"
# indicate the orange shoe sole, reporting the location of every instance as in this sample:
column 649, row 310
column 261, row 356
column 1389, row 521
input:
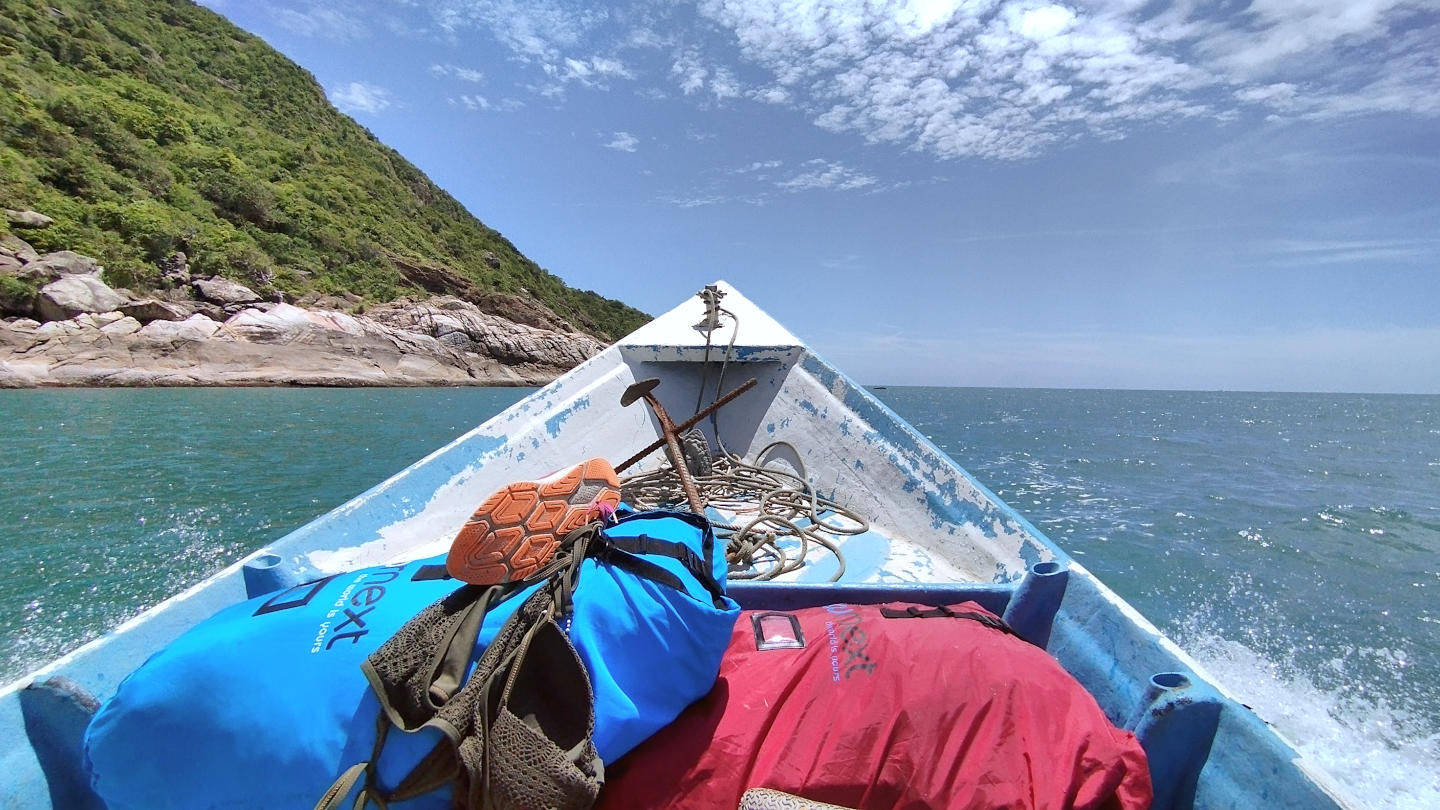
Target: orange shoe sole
column 516, row 531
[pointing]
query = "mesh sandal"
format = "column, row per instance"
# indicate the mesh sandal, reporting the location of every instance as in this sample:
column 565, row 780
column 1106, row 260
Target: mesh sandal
column 517, row 530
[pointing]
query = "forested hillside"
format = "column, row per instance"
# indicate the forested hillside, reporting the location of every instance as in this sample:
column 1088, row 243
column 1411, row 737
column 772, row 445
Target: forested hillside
column 150, row 127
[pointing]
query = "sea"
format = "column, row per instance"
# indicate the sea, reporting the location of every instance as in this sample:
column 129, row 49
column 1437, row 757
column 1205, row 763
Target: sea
column 1289, row 542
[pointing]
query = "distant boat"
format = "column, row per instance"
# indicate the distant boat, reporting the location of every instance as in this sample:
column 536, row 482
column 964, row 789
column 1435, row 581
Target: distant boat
column 936, row 535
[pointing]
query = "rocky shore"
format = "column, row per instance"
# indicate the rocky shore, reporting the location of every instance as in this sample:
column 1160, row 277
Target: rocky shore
column 78, row 331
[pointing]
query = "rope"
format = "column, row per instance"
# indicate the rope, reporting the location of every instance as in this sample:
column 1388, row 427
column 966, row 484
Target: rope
column 773, row 505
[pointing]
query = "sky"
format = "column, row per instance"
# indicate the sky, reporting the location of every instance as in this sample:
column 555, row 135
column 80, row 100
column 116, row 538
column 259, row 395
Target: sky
column 1189, row 195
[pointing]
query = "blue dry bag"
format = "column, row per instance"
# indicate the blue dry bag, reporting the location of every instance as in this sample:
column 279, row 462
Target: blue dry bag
column 264, row 704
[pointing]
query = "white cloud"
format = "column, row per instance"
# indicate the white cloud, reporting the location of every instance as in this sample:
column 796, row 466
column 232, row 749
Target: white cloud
column 771, row 95
column 1003, row 79
column 623, row 142
column 322, row 22
column 759, row 166
column 689, row 73
column 822, row 174
column 464, row 74
column 533, row 29
column 596, row 71
column 1009, row 78
column 360, row 97
column 479, row 103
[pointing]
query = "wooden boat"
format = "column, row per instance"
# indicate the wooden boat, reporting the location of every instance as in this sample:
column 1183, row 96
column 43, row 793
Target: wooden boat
column 936, row 535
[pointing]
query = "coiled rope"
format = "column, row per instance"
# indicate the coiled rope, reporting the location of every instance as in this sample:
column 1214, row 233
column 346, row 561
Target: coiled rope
column 776, row 505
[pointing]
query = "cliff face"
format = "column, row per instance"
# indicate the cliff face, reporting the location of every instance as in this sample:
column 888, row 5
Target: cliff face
column 212, row 331
column 155, row 134
column 441, row 342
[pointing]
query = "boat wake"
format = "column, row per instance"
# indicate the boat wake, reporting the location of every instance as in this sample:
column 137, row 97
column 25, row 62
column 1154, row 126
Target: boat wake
column 1385, row 756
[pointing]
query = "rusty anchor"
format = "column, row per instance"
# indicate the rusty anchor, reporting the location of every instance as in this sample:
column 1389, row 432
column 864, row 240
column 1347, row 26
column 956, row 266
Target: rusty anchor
column 644, row 389
column 687, row 424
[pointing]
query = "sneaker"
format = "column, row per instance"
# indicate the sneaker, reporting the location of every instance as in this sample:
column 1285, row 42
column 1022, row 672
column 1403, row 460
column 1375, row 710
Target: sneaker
column 517, row 530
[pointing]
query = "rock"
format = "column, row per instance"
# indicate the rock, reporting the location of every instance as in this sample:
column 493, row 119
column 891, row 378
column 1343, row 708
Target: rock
column 57, row 265
column 9, row 265
column 175, row 270
column 234, row 309
column 28, row 219
column 73, row 295
column 282, row 324
column 97, row 320
column 223, row 291
column 209, row 310
column 148, row 309
column 436, row 343
column 491, row 259
column 125, row 326
column 462, row 326
column 195, row 327
column 12, row 245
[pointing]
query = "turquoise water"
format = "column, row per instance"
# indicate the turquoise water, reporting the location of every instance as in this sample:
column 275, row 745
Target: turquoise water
column 1291, row 542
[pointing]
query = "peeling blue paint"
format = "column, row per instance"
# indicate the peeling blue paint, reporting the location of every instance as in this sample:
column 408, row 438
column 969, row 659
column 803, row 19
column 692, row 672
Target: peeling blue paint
column 808, row 407
column 554, row 423
column 984, row 515
column 859, row 465
column 770, row 428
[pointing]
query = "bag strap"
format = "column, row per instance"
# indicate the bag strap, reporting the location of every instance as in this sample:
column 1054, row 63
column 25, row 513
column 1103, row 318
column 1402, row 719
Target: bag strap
column 698, row 521
column 419, row 678
column 946, row 612
column 621, row 551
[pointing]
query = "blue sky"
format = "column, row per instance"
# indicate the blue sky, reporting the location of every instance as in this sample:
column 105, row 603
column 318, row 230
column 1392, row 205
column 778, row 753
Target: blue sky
column 1117, row 194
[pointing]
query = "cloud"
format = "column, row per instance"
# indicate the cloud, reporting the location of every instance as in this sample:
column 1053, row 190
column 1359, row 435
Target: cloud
column 1315, row 252
column 822, row 174
column 321, row 22
column 462, row 73
column 993, row 79
column 595, row 71
column 360, row 97
column 1012, row 79
column 759, row 166
column 533, row 29
column 693, row 76
column 689, row 73
column 623, row 142
column 479, row 103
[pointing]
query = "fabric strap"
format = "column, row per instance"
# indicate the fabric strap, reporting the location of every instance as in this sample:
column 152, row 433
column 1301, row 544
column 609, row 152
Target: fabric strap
column 518, row 731
column 944, row 612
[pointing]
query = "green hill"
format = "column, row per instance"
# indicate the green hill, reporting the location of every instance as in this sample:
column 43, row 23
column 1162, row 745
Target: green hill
column 147, row 127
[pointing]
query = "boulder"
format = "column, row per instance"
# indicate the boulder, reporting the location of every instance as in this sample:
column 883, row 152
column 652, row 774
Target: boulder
column 224, row 291
column 12, row 245
column 9, row 265
column 73, row 295
column 97, row 320
column 125, row 326
column 207, row 309
column 57, row 265
column 148, row 309
column 27, row 219
column 195, row 327
column 282, row 324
